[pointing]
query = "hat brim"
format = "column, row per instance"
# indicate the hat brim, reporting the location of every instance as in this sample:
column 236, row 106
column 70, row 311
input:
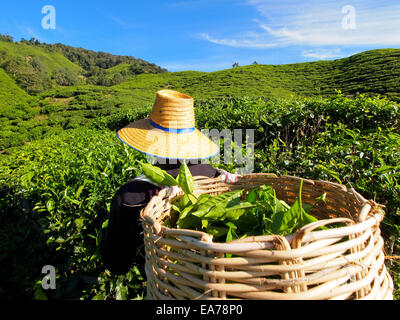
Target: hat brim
column 142, row 136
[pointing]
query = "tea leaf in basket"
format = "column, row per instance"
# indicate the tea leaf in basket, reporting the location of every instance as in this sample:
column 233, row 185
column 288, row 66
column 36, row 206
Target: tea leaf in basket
column 294, row 218
column 308, row 207
column 189, row 222
column 216, row 203
column 157, row 175
column 203, row 198
column 217, row 231
column 269, row 201
column 185, row 179
column 231, row 235
column 231, row 225
column 234, row 212
column 176, row 208
column 186, row 200
column 184, row 213
column 306, row 219
column 250, row 223
column 252, row 196
column 284, row 222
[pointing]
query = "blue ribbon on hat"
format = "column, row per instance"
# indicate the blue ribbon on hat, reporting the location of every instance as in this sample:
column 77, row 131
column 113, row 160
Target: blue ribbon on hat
column 172, row 130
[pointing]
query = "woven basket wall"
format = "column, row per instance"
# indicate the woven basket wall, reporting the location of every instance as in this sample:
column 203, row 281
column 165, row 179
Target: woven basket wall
column 342, row 262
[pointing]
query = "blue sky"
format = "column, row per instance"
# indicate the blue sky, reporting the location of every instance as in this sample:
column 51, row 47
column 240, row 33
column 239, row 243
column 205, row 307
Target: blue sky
column 210, row 35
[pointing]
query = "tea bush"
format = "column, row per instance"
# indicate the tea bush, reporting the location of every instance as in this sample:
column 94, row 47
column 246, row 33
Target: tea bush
column 55, row 193
column 59, row 190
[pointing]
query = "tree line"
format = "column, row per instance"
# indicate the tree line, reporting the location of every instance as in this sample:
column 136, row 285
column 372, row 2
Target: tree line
column 34, row 76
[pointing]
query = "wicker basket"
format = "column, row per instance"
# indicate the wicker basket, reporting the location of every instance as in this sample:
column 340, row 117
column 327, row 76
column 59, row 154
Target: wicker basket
column 344, row 262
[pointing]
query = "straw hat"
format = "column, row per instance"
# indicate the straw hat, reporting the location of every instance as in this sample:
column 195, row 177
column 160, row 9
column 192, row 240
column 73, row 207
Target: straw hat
column 170, row 131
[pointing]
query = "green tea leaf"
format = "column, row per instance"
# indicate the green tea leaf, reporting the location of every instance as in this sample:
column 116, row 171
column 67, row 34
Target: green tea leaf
column 157, row 175
column 249, row 222
column 217, row 231
column 332, row 173
column 105, row 224
column 50, row 205
column 80, row 189
column 306, row 219
column 281, row 205
column 252, row 196
column 185, row 179
column 189, row 222
column 186, row 200
column 219, row 201
column 230, row 224
column 285, row 221
column 79, row 223
column 236, row 211
column 176, row 207
column 231, row 235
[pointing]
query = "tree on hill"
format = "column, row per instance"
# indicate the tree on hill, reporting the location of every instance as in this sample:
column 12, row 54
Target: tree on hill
column 3, row 56
column 117, row 79
column 136, row 69
column 64, row 77
column 235, row 65
column 88, row 59
column 30, row 75
column 6, row 37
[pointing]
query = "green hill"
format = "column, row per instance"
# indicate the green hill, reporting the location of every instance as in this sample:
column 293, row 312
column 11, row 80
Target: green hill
column 37, row 67
column 371, row 72
column 71, row 87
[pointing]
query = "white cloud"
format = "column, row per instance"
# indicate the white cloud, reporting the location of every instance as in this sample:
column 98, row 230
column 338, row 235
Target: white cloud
column 322, row 54
column 283, row 33
column 285, row 22
column 239, row 43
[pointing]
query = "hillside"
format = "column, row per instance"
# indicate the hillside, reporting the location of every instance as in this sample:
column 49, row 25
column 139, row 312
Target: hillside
column 68, row 94
column 371, row 72
column 37, row 67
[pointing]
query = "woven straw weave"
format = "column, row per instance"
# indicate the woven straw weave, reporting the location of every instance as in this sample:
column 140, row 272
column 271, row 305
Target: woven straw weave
column 345, row 261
